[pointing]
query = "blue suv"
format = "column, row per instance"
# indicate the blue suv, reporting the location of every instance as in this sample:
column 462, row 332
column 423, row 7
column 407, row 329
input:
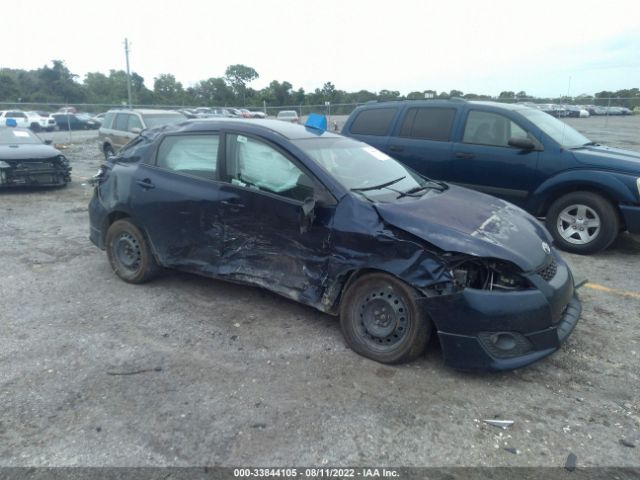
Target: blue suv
column 587, row 192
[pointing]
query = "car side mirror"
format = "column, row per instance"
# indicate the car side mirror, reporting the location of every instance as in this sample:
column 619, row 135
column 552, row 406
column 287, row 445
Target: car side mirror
column 522, row 143
column 136, row 130
column 48, row 142
column 307, row 214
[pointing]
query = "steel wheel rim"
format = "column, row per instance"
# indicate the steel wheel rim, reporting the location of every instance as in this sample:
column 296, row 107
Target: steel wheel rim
column 578, row 224
column 127, row 252
column 383, row 319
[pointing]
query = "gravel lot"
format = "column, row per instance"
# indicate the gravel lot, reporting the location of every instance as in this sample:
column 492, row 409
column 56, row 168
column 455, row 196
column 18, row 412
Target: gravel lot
column 232, row 375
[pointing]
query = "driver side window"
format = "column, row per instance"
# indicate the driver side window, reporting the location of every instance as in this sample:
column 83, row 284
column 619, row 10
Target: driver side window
column 255, row 164
column 486, row 128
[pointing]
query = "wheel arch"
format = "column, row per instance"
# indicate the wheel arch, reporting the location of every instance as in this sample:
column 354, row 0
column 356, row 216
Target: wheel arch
column 603, row 183
column 335, row 293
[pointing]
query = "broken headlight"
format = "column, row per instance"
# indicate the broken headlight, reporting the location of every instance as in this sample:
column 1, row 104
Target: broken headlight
column 484, row 274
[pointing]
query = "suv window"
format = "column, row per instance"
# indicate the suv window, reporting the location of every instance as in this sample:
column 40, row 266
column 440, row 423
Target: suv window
column 16, row 115
column 254, row 164
column 158, row 119
column 487, row 128
column 108, row 119
column 428, row 123
column 192, row 154
column 122, row 120
column 134, row 122
column 373, row 121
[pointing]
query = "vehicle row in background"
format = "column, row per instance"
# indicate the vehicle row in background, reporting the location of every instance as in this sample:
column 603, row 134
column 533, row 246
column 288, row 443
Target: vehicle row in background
column 578, row 111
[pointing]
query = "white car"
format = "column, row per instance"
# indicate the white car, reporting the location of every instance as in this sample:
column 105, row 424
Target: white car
column 39, row 122
column 19, row 116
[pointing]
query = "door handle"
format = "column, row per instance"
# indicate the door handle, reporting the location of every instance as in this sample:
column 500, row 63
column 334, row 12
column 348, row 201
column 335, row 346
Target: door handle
column 465, row 155
column 396, row 148
column 145, row 183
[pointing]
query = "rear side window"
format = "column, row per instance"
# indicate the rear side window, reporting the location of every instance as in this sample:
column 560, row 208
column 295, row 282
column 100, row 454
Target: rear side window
column 374, row 121
column 108, row 120
column 195, row 155
column 428, row 123
column 122, row 121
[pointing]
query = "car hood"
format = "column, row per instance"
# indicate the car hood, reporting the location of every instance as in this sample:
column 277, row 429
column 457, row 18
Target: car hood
column 609, row 158
column 462, row 220
column 27, row 152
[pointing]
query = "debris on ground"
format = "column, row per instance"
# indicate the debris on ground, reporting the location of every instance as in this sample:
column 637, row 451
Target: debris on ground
column 515, row 451
column 135, row 372
column 570, row 464
column 504, row 424
column 627, row 443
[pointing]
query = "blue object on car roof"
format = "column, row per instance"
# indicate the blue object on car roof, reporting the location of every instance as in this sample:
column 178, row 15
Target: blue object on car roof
column 316, row 121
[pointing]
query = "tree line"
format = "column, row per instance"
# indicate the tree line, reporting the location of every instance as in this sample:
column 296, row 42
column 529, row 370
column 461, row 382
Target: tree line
column 57, row 84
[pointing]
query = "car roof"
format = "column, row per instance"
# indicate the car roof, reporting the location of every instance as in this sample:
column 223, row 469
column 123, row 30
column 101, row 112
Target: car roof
column 444, row 103
column 287, row 130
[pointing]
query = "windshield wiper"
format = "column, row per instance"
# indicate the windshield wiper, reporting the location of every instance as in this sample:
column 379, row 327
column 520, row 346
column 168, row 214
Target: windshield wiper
column 378, row 187
column 432, row 185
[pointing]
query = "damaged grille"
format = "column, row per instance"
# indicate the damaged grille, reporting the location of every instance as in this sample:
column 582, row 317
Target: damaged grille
column 549, row 271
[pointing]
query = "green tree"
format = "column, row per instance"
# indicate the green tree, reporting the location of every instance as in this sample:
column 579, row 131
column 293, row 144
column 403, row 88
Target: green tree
column 167, row 89
column 212, row 92
column 238, row 76
column 456, row 93
column 9, row 88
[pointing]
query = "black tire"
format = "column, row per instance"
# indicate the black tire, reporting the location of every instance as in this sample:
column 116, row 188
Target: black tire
column 35, row 127
column 108, row 152
column 381, row 319
column 583, row 238
column 129, row 253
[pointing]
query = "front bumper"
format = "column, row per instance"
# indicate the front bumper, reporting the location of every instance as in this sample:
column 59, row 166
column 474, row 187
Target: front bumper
column 495, row 330
column 29, row 173
column 631, row 217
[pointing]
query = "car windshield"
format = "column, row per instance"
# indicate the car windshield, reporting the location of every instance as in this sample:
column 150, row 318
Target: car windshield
column 559, row 131
column 157, row 120
column 16, row 136
column 360, row 167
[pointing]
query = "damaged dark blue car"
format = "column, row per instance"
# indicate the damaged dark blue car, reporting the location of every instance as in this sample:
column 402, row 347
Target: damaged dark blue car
column 335, row 224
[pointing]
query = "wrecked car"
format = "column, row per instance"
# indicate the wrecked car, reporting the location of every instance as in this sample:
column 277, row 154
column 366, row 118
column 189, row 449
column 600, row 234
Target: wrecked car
column 335, row 224
column 25, row 160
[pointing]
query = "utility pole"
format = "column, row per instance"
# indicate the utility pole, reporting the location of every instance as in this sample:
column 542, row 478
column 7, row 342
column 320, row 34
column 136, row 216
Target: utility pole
column 126, row 54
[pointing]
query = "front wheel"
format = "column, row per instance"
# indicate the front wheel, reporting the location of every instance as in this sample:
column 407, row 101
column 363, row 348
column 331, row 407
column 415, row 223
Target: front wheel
column 129, row 253
column 582, row 222
column 381, row 319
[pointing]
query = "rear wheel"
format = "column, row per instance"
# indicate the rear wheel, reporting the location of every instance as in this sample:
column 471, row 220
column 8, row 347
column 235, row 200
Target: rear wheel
column 583, row 222
column 381, row 319
column 129, row 253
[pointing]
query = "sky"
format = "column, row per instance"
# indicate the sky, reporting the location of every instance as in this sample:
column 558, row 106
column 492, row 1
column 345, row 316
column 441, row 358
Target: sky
column 546, row 48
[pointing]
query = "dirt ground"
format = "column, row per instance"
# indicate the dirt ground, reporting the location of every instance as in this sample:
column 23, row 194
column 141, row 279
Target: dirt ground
column 190, row 371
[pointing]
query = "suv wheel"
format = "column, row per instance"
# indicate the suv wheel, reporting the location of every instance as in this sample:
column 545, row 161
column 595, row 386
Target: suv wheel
column 582, row 222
